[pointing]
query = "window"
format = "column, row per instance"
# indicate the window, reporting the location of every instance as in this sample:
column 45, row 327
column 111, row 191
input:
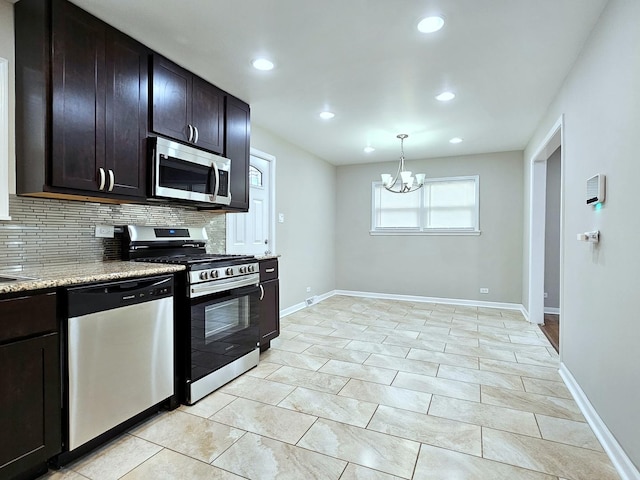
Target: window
column 4, row 140
column 255, row 176
column 442, row 206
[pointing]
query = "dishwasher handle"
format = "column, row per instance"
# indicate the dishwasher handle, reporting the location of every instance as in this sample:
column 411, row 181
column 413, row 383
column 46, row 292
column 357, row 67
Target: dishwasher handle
column 108, row 296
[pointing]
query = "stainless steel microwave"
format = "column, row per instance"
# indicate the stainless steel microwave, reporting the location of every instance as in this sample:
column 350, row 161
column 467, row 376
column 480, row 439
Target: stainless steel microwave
column 185, row 173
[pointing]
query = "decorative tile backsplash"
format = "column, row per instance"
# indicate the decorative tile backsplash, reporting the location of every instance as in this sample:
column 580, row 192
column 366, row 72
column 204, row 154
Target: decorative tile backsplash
column 54, row 232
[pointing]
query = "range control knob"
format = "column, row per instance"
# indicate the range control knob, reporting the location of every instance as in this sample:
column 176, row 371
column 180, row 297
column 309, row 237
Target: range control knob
column 251, row 268
column 214, row 274
column 204, row 275
column 229, row 271
column 243, row 269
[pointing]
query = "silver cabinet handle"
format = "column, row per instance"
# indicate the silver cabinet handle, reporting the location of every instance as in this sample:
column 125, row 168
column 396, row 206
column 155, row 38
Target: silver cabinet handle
column 112, row 180
column 261, row 292
column 102, row 179
column 195, row 140
column 190, row 132
column 270, row 270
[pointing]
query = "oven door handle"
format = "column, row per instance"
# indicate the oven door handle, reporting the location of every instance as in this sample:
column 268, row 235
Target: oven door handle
column 233, row 286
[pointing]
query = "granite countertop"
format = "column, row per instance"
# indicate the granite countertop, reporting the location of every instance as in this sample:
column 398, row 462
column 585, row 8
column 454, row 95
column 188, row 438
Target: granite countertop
column 261, row 258
column 81, row 273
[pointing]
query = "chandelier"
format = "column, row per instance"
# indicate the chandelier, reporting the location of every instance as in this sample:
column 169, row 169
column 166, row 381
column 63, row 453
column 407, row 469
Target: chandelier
column 404, row 181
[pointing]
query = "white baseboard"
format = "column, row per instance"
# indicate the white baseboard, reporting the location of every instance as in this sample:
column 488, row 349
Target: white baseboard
column 623, row 464
column 415, row 298
column 552, row 310
column 525, row 313
column 299, row 306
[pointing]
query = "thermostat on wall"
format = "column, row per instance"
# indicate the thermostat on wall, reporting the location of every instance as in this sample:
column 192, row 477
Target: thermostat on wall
column 595, row 189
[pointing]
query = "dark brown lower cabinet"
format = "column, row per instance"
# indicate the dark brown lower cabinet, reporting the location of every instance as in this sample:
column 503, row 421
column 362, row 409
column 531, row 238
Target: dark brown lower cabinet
column 269, row 303
column 30, row 406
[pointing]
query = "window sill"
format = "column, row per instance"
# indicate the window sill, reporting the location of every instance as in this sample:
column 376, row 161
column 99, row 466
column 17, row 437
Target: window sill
column 413, row 233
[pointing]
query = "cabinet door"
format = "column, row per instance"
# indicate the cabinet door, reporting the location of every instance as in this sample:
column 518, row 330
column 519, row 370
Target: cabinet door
column 269, row 313
column 126, row 113
column 171, row 94
column 78, row 98
column 207, row 115
column 237, row 149
column 30, row 404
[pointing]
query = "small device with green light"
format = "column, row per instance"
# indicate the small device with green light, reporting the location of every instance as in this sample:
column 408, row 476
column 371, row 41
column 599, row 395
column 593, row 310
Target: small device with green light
column 596, row 190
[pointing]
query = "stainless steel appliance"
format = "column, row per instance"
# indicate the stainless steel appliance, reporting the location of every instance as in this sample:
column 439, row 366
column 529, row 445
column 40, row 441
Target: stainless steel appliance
column 119, row 355
column 217, row 305
column 185, row 173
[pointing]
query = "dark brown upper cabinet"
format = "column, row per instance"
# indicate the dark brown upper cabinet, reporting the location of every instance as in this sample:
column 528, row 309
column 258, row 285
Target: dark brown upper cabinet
column 85, row 136
column 185, row 107
column 237, row 148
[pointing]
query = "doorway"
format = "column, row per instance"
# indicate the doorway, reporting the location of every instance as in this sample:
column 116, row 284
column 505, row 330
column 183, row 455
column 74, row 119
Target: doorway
column 538, row 225
column 253, row 232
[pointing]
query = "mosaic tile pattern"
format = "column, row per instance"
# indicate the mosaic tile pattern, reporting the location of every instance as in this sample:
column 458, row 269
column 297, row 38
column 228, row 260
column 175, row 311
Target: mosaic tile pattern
column 341, row 395
column 57, row 232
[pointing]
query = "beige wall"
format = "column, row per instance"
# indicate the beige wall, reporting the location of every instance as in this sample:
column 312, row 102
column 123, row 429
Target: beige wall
column 435, row 266
column 600, row 327
column 305, row 194
column 7, row 51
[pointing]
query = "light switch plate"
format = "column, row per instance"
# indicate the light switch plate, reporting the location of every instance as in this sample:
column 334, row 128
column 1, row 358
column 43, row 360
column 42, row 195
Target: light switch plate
column 104, row 231
column 281, row 217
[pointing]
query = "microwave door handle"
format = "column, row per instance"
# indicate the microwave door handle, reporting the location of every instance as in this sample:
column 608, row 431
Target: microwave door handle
column 217, row 174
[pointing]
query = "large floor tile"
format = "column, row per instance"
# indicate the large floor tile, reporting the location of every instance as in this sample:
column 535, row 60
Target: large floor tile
column 546, row 387
column 208, row 405
column 443, row 358
column 257, row 389
column 299, row 377
column 322, row 340
column 357, row 472
column 403, row 364
column 387, row 395
column 379, row 348
column 289, row 345
column 315, row 329
column 257, row 457
column 361, row 372
column 440, row 464
column 485, row 415
column 524, row 370
column 538, row 358
column 429, row 345
column 438, row 386
column 532, row 402
column 482, row 352
column 359, row 336
column 170, row 465
column 481, row 377
column 526, row 340
column 449, row 339
column 264, row 369
column 63, row 474
column 291, row 359
column 330, row 406
column 116, row 458
column 273, row 422
column 196, row 437
column 333, row 353
column 459, row 436
column 371, row 449
column 544, row 456
column 570, row 432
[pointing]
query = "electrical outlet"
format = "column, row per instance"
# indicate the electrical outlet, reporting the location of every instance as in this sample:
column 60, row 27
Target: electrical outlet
column 281, row 218
column 104, row 231
column 546, row 295
column 308, row 289
column 484, row 290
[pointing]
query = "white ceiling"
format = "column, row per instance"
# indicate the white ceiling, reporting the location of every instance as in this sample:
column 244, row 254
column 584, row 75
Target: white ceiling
column 366, row 61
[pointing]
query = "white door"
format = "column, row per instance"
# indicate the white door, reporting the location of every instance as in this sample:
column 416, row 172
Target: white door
column 251, row 232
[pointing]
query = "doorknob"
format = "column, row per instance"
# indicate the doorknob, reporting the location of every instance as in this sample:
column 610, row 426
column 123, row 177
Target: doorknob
column 266, row 241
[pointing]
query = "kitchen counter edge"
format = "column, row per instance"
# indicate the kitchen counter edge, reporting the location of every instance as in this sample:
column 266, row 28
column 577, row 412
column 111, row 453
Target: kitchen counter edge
column 82, row 273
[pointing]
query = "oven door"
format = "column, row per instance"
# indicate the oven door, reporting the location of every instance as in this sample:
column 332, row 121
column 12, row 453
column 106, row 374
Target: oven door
column 224, row 339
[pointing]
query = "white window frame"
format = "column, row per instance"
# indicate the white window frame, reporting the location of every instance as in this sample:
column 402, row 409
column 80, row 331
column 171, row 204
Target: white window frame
column 4, row 139
column 475, row 230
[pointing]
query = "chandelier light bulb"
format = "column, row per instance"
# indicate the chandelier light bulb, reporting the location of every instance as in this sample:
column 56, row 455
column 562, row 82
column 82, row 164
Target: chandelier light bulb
column 404, row 181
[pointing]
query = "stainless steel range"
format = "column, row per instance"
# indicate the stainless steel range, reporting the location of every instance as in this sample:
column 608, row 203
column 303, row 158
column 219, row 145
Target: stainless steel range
column 217, row 304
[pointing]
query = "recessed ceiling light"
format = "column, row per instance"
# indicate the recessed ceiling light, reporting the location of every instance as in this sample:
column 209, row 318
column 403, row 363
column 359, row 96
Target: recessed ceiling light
column 431, row 24
column 262, row 64
column 446, row 96
column 455, row 140
column 369, row 149
column 327, row 115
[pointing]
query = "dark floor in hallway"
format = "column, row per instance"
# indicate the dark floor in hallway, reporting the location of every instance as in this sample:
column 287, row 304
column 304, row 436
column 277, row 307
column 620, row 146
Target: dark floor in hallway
column 551, row 329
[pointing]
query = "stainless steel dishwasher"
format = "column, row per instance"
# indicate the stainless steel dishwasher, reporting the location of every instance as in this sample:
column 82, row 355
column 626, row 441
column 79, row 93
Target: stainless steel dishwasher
column 119, row 353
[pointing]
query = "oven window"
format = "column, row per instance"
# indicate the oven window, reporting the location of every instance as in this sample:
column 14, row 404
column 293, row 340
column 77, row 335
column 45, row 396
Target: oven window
column 187, row 176
column 223, row 319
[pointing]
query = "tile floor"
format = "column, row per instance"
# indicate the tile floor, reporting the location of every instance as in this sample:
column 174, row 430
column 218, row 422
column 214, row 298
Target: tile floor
column 375, row 389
